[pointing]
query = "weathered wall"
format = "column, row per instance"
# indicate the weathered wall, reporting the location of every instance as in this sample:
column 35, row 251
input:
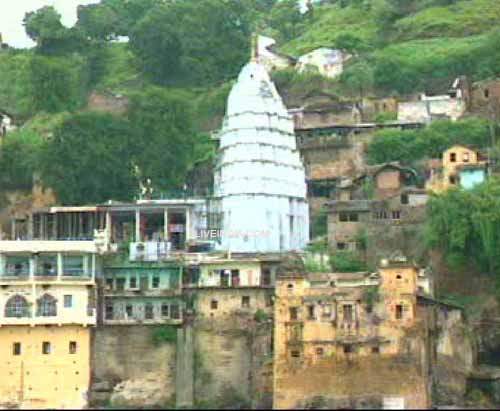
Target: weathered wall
column 59, row 379
column 128, row 369
column 233, row 366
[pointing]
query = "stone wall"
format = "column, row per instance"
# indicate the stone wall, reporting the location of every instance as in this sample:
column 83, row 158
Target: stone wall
column 233, row 367
column 128, row 369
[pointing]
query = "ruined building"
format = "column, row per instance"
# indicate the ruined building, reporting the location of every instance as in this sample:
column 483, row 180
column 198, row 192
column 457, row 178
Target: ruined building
column 357, row 340
column 259, row 179
column 377, row 213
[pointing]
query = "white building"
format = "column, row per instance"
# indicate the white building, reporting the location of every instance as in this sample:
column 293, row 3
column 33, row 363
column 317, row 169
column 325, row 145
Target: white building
column 260, row 179
column 328, row 62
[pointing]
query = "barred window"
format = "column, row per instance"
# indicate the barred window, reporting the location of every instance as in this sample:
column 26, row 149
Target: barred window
column 47, row 306
column 17, row 306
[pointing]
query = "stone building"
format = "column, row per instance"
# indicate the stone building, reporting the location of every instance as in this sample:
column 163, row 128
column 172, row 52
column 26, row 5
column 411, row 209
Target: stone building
column 377, row 213
column 328, row 62
column 259, row 179
column 351, row 340
column 460, row 166
column 47, row 309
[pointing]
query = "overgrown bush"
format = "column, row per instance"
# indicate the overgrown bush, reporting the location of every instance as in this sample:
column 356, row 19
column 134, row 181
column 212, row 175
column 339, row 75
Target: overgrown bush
column 165, row 334
column 347, row 262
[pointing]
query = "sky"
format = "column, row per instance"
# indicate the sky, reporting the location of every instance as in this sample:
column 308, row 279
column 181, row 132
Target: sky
column 12, row 13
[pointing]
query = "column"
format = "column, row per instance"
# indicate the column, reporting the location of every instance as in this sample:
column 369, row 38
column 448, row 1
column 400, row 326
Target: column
column 165, row 224
column 30, row 226
column 59, row 266
column 13, row 229
column 137, row 225
column 188, row 224
column 108, row 228
column 93, row 268
column 55, row 218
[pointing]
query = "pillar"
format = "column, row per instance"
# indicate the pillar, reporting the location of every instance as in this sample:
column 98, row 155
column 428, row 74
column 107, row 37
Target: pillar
column 137, row 225
column 59, row 266
column 188, row 224
column 165, row 224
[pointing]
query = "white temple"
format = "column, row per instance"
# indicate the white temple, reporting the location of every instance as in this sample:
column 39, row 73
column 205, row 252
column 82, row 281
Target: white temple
column 260, row 179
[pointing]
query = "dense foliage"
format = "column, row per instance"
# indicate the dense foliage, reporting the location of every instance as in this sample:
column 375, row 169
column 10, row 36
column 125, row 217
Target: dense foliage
column 465, row 225
column 411, row 145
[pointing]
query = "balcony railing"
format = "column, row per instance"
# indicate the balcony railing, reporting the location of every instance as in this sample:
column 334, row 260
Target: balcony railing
column 149, row 251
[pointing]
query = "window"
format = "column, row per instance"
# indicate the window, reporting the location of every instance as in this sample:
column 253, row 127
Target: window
column 341, row 246
column 486, row 93
column 396, row 215
column 399, row 277
column 294, row 313
column 175, row 312
column 16, row 348
column 320, row 351
column 109, row 312
column 376, row 350
column 245, row 301
column 351, row 217
column 47, row 306
column 348, row 349
column 453, row 157
column 47, row 266
column 269, row 301
column 465, row 157
column 129, row 310
column 68, row 301
column 348, row 313
column 156, row 282
column 399, row 312
column 17, row 266
column 214, row 304
column 73, row 265
column 149, row 311
column 133, row 282
column 289, row 287
column 327, row 311
column 310, row 312
column 295, row 354
column 109, row 284
column 405, row 199
column 453, row 180
column 266, row 277
column 235, row 278
column 120, row 284
column 72, row 347
column 17, row 307
column 46, row 347
column 164, row 310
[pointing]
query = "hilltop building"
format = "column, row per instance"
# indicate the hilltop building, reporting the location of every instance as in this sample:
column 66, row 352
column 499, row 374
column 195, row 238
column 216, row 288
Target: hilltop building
column 259, row 179
column 327, row 62
column 460, row 166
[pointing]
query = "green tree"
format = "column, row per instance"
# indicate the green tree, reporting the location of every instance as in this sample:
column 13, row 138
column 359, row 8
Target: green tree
column 286, row 18
column 202, row 41
column 52, row 37
column 358, row 79
column 19, row 160
column 57, row 83
column 89, row 159
column 167, row 145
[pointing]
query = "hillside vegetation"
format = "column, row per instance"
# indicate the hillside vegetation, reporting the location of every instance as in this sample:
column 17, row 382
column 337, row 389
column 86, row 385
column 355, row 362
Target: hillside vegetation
column 184, row 56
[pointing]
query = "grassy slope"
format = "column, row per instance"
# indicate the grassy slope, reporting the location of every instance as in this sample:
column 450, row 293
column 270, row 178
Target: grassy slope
column 333, row 21
column 468, row 17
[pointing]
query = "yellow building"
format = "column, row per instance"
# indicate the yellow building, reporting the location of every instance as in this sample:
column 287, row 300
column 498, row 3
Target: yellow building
column 447, row 174
column 47, row 303
column 344, row 340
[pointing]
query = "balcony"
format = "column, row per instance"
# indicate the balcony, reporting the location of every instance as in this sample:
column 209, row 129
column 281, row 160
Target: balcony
column 149, row 251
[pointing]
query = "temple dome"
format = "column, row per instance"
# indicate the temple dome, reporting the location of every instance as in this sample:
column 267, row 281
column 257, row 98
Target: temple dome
column 254, row 92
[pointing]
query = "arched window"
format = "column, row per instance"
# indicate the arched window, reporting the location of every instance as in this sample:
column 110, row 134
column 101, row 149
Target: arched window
column 17, row 307
column 47, row 306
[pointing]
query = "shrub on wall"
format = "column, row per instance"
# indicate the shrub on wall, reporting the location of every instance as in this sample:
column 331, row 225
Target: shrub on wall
column 165, row 334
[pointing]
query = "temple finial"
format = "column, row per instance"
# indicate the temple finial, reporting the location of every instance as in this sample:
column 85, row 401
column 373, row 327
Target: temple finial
column 254, row 56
